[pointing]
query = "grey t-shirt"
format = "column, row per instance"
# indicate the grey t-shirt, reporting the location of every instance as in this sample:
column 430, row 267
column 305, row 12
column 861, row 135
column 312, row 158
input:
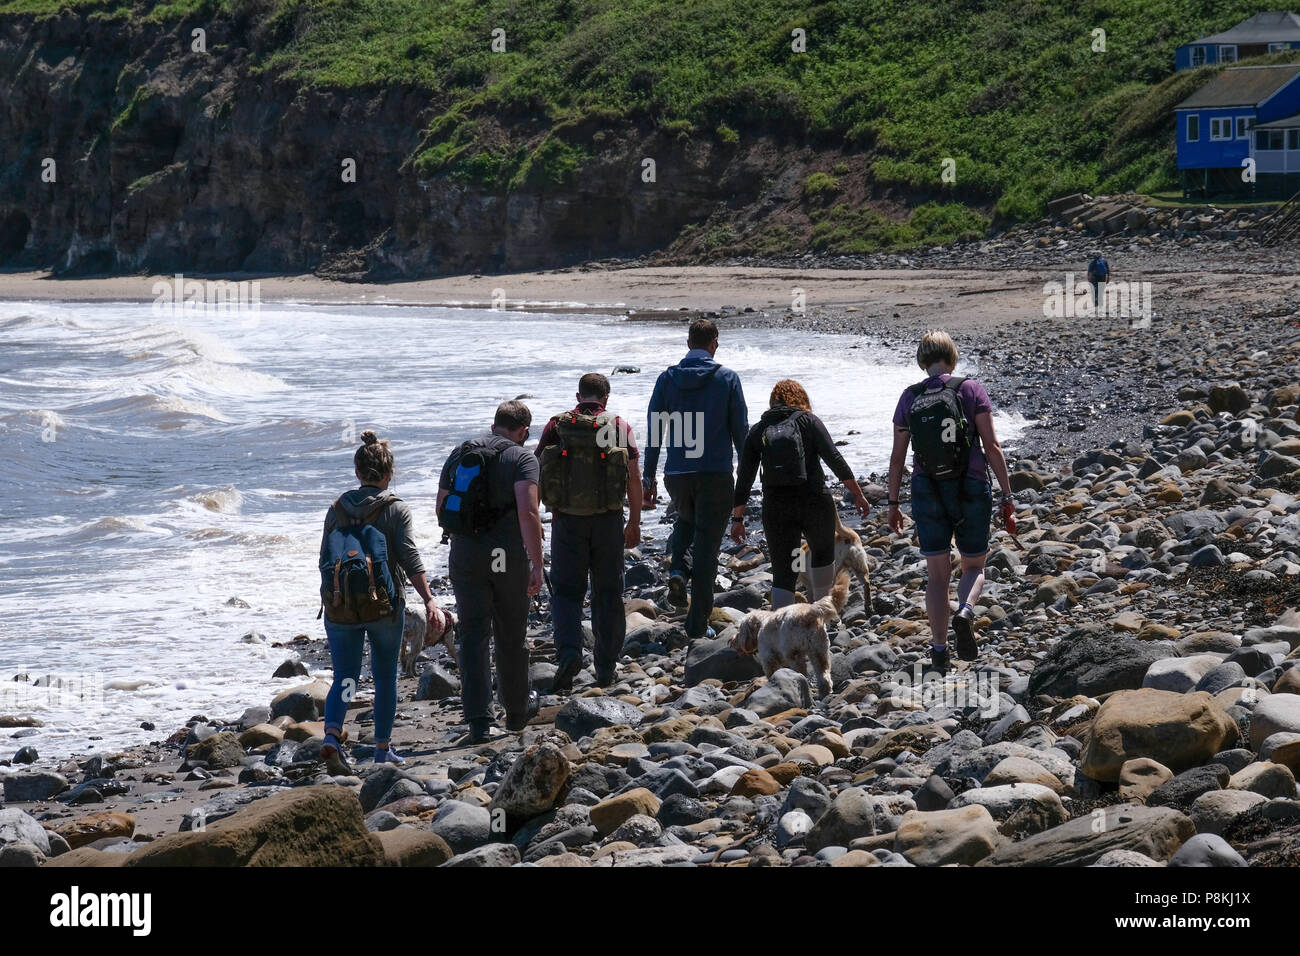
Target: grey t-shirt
column 515, row 463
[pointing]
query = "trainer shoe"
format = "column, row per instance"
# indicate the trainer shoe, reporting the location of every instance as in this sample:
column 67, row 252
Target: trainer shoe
column 964, row 627
column 677, row 590
column 570, row 664
column 388, row 755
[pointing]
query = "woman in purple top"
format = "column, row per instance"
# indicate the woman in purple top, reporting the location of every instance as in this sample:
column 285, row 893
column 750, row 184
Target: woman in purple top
column 945, row 505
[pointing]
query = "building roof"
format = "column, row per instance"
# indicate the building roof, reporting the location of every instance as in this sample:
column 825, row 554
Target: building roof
column 1241, row 86
column 1288, row 123
column 1261, row 28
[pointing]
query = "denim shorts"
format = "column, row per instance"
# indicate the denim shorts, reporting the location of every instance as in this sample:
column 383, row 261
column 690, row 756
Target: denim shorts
column 937, row 508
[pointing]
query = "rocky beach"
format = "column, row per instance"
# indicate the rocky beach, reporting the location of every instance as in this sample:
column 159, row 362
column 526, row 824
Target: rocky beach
column 1136, row 701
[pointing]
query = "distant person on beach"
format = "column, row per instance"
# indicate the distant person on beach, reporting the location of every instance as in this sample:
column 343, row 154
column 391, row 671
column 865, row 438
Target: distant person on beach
column 588, row 462
column 1098, row 276
column 364, row 598
column 948, row 422
column 698, row 411
column 487, row 502
column 790, row 442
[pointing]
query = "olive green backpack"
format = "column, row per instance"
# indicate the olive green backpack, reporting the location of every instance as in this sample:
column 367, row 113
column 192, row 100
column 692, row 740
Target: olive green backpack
column 584, row 471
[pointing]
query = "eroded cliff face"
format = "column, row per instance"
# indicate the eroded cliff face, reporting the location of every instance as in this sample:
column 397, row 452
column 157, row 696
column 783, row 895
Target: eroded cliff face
column 166, row 159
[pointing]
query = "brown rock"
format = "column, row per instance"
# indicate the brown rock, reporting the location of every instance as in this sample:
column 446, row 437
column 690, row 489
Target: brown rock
column 609, row 814
column 785, row 772
column 307, row 826
column 832, row 741
column 261, row 734
column 219, row 751
column 934, row 838
column 409, row 847
column 1139, row 777
column 810, row 753
column 1288, row 683
column 1178, row 730
column 754, row 783
column 96, row 826
column 856, row 858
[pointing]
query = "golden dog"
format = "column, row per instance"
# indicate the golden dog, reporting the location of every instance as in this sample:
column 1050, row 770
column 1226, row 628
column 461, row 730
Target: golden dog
column 850, row 555
column 794, row 634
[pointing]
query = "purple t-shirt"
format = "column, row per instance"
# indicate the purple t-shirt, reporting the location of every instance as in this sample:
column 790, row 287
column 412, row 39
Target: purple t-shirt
column 973, row 399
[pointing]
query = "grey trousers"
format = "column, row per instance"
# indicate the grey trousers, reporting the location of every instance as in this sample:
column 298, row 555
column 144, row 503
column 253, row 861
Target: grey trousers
column 491, row 586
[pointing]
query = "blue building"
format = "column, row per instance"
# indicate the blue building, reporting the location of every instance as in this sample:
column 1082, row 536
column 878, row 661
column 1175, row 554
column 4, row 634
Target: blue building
column 1246, row 112
column 1262, row 34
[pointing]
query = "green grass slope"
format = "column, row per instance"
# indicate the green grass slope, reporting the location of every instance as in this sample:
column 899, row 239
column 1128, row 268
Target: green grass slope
column 1012, row 91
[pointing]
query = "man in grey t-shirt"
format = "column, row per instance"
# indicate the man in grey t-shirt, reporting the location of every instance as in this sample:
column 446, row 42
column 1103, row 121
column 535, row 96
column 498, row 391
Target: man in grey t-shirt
column 495, row 574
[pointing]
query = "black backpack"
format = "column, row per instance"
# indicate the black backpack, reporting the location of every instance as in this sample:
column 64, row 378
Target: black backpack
column 941, row 436
column 783, row 453
column 468, row 507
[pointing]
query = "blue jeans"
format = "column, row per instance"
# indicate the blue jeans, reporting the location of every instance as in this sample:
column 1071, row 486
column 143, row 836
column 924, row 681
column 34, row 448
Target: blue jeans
column 347, row 641
column 942, row 513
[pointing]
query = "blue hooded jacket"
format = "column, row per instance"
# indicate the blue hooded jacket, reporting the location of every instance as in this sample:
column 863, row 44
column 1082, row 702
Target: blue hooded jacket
column 698, row 411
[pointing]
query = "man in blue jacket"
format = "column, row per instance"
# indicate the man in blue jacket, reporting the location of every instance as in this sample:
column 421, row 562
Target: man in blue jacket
column 697, row 411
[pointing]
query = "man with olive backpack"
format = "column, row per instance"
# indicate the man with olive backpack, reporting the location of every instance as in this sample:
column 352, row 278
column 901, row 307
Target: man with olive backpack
column 588, row 464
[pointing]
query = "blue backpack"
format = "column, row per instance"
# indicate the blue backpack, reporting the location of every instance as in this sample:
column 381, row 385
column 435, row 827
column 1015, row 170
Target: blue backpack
column 356, row 585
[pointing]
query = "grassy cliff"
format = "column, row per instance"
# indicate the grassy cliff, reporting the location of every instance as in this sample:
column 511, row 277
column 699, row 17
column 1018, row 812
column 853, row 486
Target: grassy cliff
column 1016, row 93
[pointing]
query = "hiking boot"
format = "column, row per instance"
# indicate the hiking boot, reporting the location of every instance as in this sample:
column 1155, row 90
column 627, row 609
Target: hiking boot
column 606, row 676
column 677, row 590
column 517, row 722
column 939, row 659
column 570, row 664
column 480, row 732
column 963, row 625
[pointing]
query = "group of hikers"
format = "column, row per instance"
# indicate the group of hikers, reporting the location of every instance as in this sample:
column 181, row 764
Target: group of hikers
column 585, row 468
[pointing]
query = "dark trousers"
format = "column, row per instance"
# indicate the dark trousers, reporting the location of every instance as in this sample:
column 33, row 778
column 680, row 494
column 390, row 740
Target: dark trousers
column 703, row 503
column 588, row 547
column 789, row 516
column 491, row 587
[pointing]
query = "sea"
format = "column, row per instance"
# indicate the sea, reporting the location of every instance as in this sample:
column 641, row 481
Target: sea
column 166, row 474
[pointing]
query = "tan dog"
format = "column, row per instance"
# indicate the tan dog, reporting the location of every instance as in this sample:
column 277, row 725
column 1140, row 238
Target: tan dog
column 850, row 555
column 794, row 634
column 419, row 632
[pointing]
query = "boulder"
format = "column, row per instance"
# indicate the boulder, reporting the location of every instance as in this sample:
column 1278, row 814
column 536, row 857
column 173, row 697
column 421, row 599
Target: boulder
column 1277, row 714
column 1179, row 674
column 1178, row 730
column 533, row 782
column 1140, row 777
column 462, row 825
column 785, row 690
column 306, row 702
column 409, row 847
column 492, row 854
column 1206, row 849
column 1215, row 811
column 33, row 785
column 1155, row 832
column 583, row 716
column 1090, row 663
column 96, row 826
column 1265, row 778
column 851, row 815
column 938, row 837
column 305, row 826
column 18, row 826
column 219, row 751
column 715, row 659
column 437, row 683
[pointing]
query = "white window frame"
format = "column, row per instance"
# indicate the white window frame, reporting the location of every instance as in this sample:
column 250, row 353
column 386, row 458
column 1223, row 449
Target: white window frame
column 1193, row 122
column 1217, row 123
column 1278, row 47
column 1223, row 53
column 1245, row 125
column 1198, row 50
column 1269, row 134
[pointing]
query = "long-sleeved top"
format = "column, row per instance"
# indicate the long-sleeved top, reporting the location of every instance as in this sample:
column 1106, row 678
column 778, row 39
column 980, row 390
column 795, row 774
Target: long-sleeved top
column 394, row 522
column 817, row 447
column 697, row 410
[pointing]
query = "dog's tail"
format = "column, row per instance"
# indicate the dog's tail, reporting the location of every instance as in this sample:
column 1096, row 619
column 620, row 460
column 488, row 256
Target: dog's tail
column 830, row 606
column 843, row 531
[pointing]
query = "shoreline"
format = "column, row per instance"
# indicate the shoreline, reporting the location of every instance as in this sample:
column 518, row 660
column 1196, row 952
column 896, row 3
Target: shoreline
column 1103, row 460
